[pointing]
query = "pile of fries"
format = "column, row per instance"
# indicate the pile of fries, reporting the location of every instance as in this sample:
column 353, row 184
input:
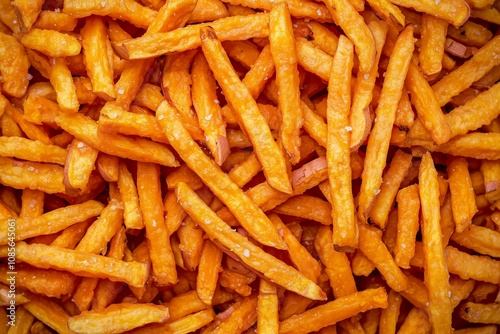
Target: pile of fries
column 249, row 166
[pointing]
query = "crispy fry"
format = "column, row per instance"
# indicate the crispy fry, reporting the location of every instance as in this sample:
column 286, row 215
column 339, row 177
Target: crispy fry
column 148, row 184
column 51, row 42
column 246, row 109
column 408, row 225
column 332, row 312
column 432, row 44
column 118, row 317
column 208, row 271
column 455, row 12
column 79, row 164
column 462, row 194
column 14, row 65
column 48, row 19
column 480, row 313
column 172, row 15
column 287, row 78
column 32, row 150
column 192, row 322
column 267, row 308
column 416, row 321
column 180, row 139
column 391, row 181
column 250, row 254
column 85, row 264
column 50, row 313
column 60, row 78
column 307, row 207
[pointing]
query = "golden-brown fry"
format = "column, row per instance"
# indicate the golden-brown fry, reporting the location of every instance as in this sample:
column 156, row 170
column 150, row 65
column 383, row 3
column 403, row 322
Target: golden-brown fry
column 436, row 272
column 48, row 19
column 267, row 308
column 389, row 316
column 237, row 318
column 432, row 44
column 208, row 10
column 247, row 112
column 32, row 204
column 355, row 28
column 287, row 78
column 426, row 105
column 474, row 145
column 480, row 239
column 307, row 207
column 337, row 265
column 128, row 192
column 50, row 313
column 182, row 39
column 172, row 15
column 455, row 12
column 378, row 143
column 190, row 323
column 383, row 203
column 250, row 254
column 107, row 165
column 408, row 225
column 417, row 321
column 79, row 164
column 249, row 215
column 208, row 110
column 95, row 45
column 127, row 10
column 86, row 130
column 51, row 42
column 490, row 329
column 345, row 233
column 31, row 150
column 61, row 79
column 462, row 194
column 84, row 264
column 148, row 184
column 14, row 65
column 27, row 12
column 480, row 313
column 208, row 271
column 118, row 318
column 335, row 311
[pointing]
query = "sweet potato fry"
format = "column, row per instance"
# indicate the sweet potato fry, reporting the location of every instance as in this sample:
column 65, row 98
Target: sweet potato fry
column 335, row 311
column 79, row 164
column 182, row 39
column 436, row 272
column 287, row 78
column 51, row 42
column 416, row 321
column 474, row 145
column 192, row 322
column 95, row 45
column 462, row 194
column 128, row 192
column 480, row 313
column 208, row 271
column 118, row 318
column 237, row 318
column 48, row 19
column 391, row 181
column 408, row 225
column 27, row 12
column 14, row 65
column 208, row 110
column 180, row 139
column 247, row 112
column 31, row 150
column 267, row 308
column 50, row 313
column 172, row 15
column 480, row 239
column 85, row 264
column 455, row 12
column 32, row 204
column 378, row 143
column 432, row 44
column 61, row 79
column 389, row 316
column 248, row 253
column 31, row 130
column 148, row 184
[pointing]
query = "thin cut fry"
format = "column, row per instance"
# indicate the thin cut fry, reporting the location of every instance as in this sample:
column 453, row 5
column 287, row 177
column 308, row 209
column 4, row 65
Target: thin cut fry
column 436, row 272
column 208, row 271
column 267, row 308
column 250, row 254
column 408, row 225
column 455, row 12
column 378, row 143
column 389, row 316
column 61, row 79
column 432, row 44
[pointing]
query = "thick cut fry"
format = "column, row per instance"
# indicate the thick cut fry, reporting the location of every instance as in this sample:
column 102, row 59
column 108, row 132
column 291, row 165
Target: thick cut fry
column 79, row 164
column 378, row 143
column 337, row 265
column 172, row 15
column 267, row 308
column 248, row 253
column 208, row 271
column 230, row 28
column 191, row 243
column 50, row 313
column 480, row 313
column 128, row 192
column 375, row 250
column 330, row 313
column 208, row 110
column 118, row 318
column 360, row 117
column 239, row 317
column 148, row 184
column 51, row 43
column 455, row 12
column 32, row 204
column 470, row 71
column 27, row 12
column 95, row 45
column 48, row 19
column 32, row 150
column 480, row 239
column 345, row 232
column 287, row 78
column 436, row 272
column 247, row 112
column 426, row 105
column 190, row 323
column 408, row 224
column 383, row 203
column 127, row 10
column 86, row 130
column 307, row 207
column 462, row 194
column 417, row 321
column 80, row 263
column 263, row 69
column 14, row 65
column 61, row 79
column 130, row 81
column 59, row 219
column 247, row 212
column 474, row 145
column 355, row 28
column 31, row 130
column 432, row 44
column 389, row 316
column 107, row 165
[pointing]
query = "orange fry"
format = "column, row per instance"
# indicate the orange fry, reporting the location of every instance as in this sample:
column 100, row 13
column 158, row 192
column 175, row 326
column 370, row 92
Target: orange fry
column 435, row 272
column 247, row 112
column 307, row 207
column 80, row 162
column 378, row 143
column 32, row 150
column 14, row 65
column 408, row 225
column 61, row 44
column 249, row 215
column 208, row 271
column 455, row 12
column 50, row 313
column 247, row 252
column 432, row 44
column 61, row 79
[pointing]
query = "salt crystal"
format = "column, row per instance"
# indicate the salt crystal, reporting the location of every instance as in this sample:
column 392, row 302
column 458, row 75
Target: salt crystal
column 103, row 4
column 437, row 2
column 348, row 128
column 319, row 12
column 153, row 223
column 57, row 10
column 31, row 168
column 208, row 117
column 121, row 91
column 376, row 192
column 30, row 77
column 403, row 246
column 246, row 252
column 63, row 42
column 216, row 101
column 79, row 145
column 366, row 76
column 160, row 117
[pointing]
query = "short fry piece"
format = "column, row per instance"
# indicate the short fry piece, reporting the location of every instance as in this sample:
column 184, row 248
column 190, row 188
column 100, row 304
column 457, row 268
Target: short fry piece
column 117, row 318
column 435, row 271
column 248, row 253
column 61, row 79
column 434, row 32
column 463, row 200
column 389, row 316
column 128, row 191
column 208, row 271
column 416, row 321
column 79, row 165
column 51, row 42
column 408, row 225
column 14, row 65
column 480, row 313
